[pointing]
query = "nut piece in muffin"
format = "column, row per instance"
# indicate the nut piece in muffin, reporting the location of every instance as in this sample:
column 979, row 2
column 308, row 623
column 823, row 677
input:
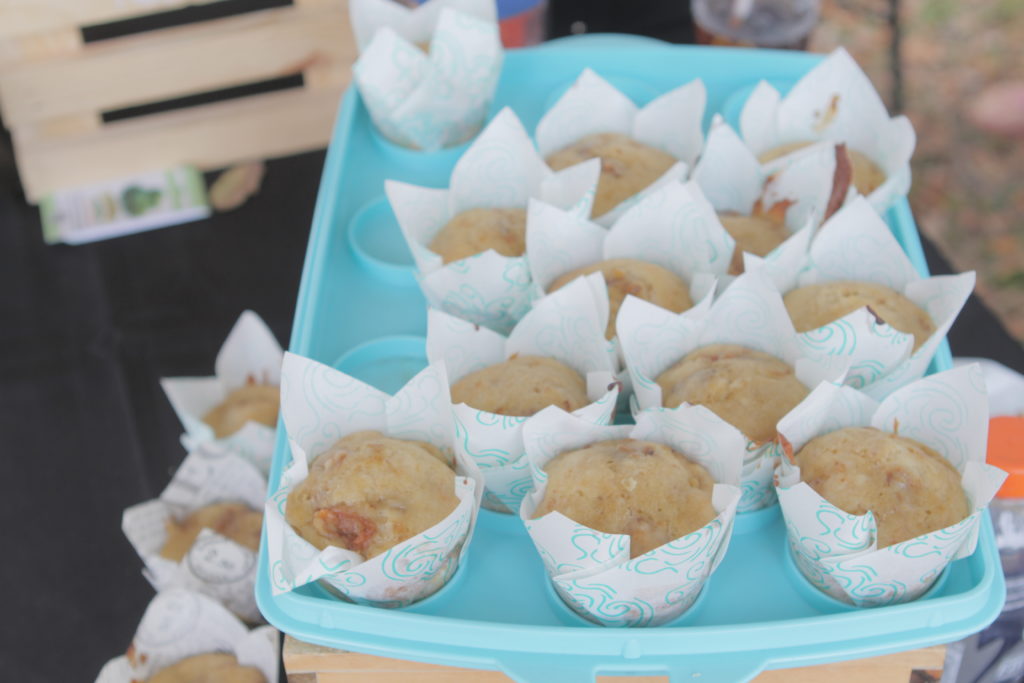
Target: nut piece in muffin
column 624, row 276
column 522, row 386
column 751, row 390
column 628, row 486
column 476, row 230
column 627, row 166
column 231, row 520
column 911, row 489
column 867, row 176
column 813, row 306
column 370, row 492
column 252, row 402
column 211, row 667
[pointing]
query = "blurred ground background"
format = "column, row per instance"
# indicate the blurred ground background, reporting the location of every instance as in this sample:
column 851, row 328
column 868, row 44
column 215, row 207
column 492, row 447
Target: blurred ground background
column 968, row 193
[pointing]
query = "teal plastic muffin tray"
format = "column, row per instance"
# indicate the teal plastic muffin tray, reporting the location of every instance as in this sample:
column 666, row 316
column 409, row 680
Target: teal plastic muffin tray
column 359, row 309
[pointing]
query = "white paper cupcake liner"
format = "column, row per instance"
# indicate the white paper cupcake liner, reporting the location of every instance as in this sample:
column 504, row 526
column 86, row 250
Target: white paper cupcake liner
column 435, row 100
column 215, row 565
column 749, row 313
column 250, row 353
column 566, row 326
column 834, row 101
column 321, row 405
column 671, row 122
column 856, row 244
column 837, row 551
column 414, row 24
column 179, row 624
column 501, row 169
column 603, row 584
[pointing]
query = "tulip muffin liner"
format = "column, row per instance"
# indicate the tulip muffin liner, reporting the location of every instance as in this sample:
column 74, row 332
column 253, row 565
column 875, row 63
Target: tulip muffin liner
column 414, row 24
column 836, row 551
column 672, row 122
column 856, row 244
column 215, row 565
column 250, row 354
column 592, row 571
column 733, row 180
column 178, row 624
column 566, row 326
column 320, row 405
column 834, row 101
column 749, row 313
column 501, row 169
column 435, row 100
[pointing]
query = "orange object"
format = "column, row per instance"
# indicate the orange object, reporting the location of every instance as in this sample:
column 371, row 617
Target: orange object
column 1006, row 451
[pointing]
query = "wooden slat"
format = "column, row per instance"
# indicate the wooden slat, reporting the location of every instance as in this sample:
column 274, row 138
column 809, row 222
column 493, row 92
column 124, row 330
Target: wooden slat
column 210, row 136
column 160, row 65
column 20, row 17
column 337, row 666
column 39, row 46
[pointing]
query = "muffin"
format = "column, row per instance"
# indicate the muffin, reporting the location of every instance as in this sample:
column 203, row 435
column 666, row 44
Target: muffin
column 522, row 386
column 211, row 667
column 252, row 402
column 751, row 390
column 867, row 176
column 627, row 166
column 624, row 276
column 477, row 230
column 757, row 234
column 911, row 489
column 628, row 486
column 231, row 520
column 813, row 306
column 370, row 492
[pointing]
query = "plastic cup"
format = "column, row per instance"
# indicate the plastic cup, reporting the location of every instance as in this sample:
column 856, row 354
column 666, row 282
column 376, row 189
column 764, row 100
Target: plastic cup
column 785, row 24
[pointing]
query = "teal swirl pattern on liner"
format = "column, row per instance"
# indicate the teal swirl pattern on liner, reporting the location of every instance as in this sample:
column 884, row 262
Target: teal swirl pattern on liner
column 850, row 532
column 594, row 547
column 835, row 339
column 598, row 601
column 865, row 372
column 934, row 414
column 423, row 560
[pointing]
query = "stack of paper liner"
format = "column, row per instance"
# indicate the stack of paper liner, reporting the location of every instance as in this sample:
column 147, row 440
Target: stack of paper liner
column 250, row 354
column 837, row 551
column 429, row 100
column 415, row 25
column 321, row 405
column 215, row 565
column 567, row 326
column 178, row 624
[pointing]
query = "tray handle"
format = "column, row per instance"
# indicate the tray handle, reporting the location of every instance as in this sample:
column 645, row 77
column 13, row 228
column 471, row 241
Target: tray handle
column 683, row 669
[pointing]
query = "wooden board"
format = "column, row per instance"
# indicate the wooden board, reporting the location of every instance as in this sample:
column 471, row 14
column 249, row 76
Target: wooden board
column 305, row 663
column 54, row 89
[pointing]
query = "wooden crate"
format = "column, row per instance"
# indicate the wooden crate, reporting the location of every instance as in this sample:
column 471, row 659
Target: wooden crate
column 54, row 88
column 305, row 663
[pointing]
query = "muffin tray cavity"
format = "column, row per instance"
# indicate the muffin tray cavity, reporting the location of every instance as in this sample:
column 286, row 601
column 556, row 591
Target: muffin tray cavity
column 359, row 309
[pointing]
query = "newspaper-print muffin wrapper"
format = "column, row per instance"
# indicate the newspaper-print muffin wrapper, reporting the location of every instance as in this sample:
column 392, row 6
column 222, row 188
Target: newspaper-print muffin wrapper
column 414, row 24
column 320, row 405
column 178, row 624
column 215, row 565
column 500, row 169
column 566, row 326
column 732, row 179
column 856, row 244
column 250, row 353
column 834, row 101
column 591, row 570
column 671, row 122
column 435, row 100
column 749, row 313
column 837, row 552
